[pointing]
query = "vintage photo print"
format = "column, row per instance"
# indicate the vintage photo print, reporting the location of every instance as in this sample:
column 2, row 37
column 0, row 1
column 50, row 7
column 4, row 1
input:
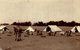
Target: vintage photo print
column 39, row 25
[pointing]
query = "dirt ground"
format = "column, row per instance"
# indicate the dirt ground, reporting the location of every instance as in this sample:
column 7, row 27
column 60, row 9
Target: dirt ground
column 40, row 43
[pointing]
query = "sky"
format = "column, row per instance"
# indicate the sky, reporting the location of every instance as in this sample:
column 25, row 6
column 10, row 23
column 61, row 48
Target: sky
column 39, row 10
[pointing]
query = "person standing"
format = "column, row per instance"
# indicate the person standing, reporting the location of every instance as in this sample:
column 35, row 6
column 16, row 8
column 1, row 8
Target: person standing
column 19, row 33
column 55, row 33
column 69, row 33
column 16, row 33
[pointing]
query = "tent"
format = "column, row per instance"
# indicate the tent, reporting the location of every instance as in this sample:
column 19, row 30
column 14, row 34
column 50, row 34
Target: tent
column 2, row 27
column 52, row 28
column 76, row 29
column 30, row 29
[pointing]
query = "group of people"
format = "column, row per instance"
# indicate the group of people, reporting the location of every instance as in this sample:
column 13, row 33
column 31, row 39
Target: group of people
column 67, row 33
column 18, row 32
column 50, row 33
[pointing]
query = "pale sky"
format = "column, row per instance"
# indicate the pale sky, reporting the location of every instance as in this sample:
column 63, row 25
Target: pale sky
column 39, row 10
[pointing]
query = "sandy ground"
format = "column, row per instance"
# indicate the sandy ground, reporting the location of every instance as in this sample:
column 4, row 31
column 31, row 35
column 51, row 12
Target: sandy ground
column 40, row 43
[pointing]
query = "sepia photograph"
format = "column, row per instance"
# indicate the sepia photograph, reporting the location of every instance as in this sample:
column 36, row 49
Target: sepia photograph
column 39, row 24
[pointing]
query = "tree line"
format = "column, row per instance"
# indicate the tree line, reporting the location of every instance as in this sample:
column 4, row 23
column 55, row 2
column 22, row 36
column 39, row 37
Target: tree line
column 58, row 23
